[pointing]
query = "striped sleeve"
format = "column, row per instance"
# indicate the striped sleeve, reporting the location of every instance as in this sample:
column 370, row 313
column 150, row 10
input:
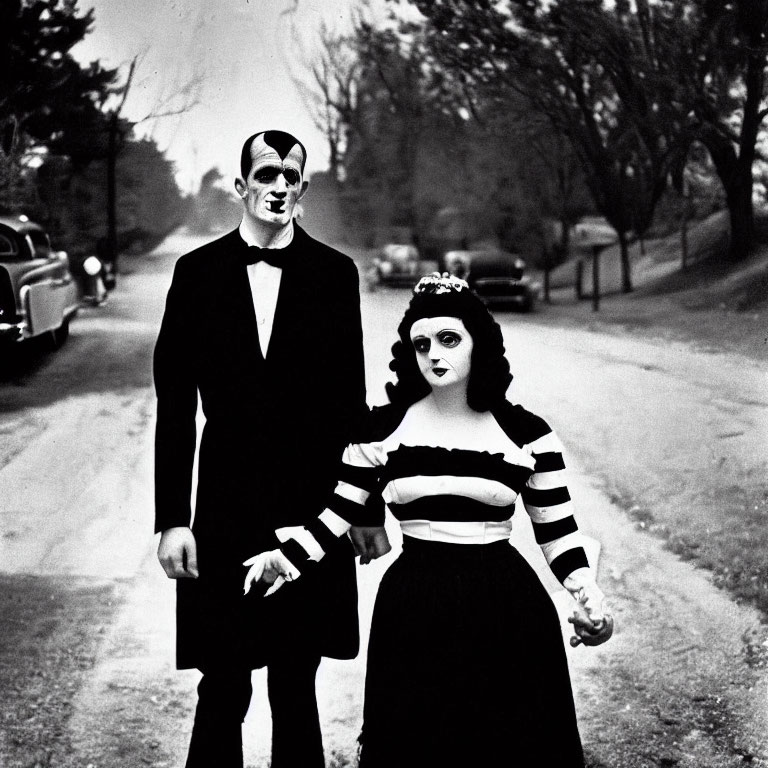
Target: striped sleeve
column 548, row 503
column 351, row 504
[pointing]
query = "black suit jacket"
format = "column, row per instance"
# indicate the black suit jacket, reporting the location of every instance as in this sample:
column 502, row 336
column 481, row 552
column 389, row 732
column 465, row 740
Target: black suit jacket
column 274, row 432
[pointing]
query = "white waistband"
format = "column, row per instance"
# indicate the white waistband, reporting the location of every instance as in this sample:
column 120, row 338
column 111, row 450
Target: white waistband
column 473, row 532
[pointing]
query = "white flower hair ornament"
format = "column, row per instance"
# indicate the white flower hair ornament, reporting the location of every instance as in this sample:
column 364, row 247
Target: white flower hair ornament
column 436, row 283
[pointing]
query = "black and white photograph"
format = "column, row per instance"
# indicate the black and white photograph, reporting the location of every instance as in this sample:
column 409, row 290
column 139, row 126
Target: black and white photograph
column 383, row 383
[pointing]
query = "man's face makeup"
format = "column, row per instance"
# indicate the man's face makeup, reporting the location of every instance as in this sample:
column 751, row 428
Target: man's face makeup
column 443, row 348
column 274, row 184
column 269, row 175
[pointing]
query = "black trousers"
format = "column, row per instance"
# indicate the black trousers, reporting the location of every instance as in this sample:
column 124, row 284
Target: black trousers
column 223, row 699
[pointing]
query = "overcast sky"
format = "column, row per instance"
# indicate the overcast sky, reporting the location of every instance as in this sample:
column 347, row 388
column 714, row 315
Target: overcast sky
column 239, row 49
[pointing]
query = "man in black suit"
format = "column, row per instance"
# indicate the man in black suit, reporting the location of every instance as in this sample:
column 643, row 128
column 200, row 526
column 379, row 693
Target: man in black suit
column 263, row 323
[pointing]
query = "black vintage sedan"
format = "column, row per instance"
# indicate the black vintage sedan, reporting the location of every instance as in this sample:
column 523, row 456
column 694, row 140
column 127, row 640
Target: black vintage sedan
column 396, row 264
column 498, row 277
column 38, row 294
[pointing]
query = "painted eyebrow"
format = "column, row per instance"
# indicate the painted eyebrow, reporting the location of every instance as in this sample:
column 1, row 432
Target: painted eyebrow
column 457, row 331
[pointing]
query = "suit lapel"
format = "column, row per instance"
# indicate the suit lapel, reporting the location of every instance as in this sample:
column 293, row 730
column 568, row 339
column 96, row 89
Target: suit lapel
column 237, row 294
column 291, row 298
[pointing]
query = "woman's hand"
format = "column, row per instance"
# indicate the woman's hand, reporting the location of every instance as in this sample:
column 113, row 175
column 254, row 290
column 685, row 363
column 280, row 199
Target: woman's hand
column 592, row 624
column 588, row 632
column 271, row 567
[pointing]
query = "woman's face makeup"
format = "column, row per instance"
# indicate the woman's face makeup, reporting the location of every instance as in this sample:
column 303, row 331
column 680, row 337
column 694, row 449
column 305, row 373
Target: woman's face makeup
column 443, row 348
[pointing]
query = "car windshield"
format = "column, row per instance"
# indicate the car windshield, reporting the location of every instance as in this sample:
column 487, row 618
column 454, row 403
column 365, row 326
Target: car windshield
column 498, row 264
column 41, row 246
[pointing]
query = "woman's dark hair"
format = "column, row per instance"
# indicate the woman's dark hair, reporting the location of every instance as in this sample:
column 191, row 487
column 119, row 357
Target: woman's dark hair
column 489, row 375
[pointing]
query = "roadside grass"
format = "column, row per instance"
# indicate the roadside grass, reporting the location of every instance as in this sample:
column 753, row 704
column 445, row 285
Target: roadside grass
column 732, row 545
column 51, row 633
column 735, row 553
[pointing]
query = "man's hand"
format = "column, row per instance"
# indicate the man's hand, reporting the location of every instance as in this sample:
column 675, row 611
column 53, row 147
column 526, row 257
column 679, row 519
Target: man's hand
column 177, row 553
column 370, row 542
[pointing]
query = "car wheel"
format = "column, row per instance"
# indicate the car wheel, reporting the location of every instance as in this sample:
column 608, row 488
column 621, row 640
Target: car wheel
column 59, row 335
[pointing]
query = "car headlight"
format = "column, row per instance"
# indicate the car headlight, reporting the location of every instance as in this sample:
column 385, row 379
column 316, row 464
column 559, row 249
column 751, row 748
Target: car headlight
column 92, row 266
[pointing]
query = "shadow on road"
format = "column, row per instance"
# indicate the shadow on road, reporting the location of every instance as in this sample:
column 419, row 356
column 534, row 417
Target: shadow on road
column 96, row 362
column 109, row 348
column 20, row 360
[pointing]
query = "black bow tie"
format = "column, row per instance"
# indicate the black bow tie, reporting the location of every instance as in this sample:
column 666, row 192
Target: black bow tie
column 273, row 256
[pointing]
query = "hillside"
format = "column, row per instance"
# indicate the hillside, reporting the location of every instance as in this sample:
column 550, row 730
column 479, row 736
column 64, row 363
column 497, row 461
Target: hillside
column 712, row 303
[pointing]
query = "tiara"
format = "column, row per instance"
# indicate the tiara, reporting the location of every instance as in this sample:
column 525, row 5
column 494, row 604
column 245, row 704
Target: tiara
column 436, row 284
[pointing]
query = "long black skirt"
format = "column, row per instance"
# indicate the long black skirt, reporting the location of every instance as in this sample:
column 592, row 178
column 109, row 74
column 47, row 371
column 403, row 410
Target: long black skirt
column 466, row 664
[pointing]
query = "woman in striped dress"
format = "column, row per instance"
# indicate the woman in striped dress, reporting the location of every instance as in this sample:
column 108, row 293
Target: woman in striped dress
column 466, row 664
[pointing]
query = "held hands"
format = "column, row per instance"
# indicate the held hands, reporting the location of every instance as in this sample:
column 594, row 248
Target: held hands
column 370, row 542
column 271, row 567
column 592, row 623
column 177, row 553
column 274, row 568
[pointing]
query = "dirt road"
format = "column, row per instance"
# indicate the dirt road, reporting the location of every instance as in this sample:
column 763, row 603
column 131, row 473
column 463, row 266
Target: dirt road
column 86, row 655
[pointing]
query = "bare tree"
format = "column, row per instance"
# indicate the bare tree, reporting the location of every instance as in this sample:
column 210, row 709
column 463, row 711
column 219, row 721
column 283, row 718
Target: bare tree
column 168, row 104
column 328, row 83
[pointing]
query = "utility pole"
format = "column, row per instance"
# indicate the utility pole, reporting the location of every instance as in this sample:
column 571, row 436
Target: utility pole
column 112, row 150
column 115, row 138
column 114, row 141
column 596, row 278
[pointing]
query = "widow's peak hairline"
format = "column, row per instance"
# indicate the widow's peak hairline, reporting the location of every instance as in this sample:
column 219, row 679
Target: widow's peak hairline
column 281, row 141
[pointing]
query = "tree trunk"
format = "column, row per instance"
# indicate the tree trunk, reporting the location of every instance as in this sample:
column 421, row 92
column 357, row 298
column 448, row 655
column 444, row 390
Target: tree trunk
column 738, row 190
column 742, row 218
column 565, row 236
column 626, row 272
column 595, row 278
column 686, row 214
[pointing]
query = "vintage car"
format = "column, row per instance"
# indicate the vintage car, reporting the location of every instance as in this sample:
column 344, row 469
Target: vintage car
column 396, row 264
column 496, row 276
column 38, row 294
